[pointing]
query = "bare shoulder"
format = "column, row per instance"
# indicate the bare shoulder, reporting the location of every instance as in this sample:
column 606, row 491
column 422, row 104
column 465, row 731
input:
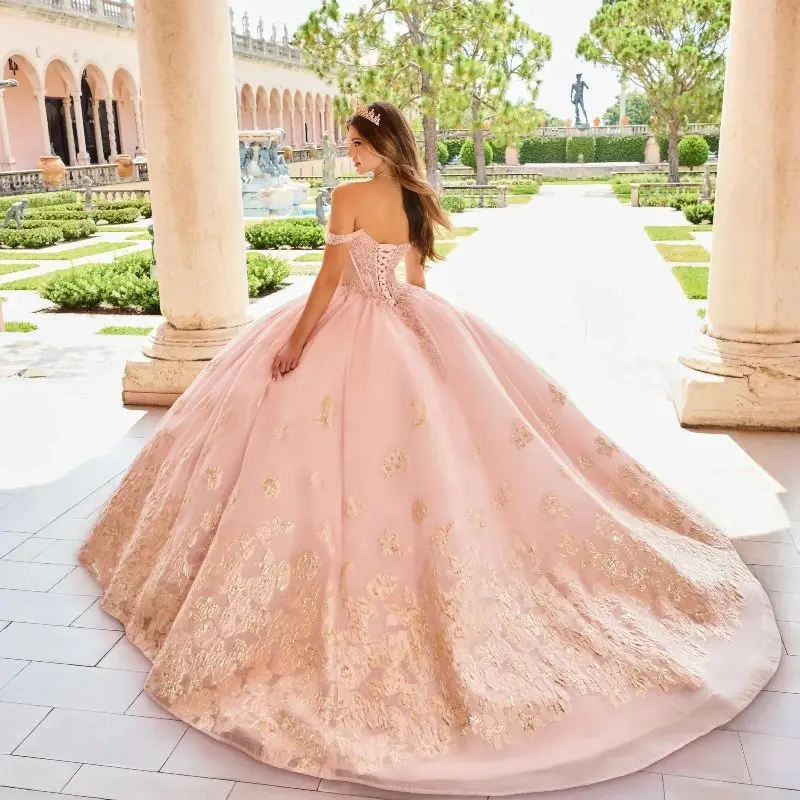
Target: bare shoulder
column 346, row 193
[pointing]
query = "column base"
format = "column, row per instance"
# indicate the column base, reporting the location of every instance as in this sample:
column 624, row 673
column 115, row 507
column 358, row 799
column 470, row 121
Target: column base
column 152, row 382
column 168, row 343
column 724, row 384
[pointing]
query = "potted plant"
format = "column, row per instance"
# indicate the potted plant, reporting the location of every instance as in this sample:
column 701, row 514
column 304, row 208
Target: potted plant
column 53, row 171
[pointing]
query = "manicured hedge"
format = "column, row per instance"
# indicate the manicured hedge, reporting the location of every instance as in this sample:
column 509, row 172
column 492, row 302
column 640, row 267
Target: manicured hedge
column 581, row 149
column 34, row 238
column 295, row 234
column 620, row 148
column 38, row 200
column 543, row 150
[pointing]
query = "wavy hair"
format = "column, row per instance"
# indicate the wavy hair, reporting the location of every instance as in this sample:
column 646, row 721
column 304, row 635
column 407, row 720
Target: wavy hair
column 393, row 140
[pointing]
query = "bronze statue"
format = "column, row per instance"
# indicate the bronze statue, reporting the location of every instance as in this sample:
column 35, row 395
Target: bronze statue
column 576, row 97
column 16, row 212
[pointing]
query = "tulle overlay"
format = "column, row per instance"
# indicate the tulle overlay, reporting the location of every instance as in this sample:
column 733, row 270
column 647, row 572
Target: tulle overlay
column 415, row 564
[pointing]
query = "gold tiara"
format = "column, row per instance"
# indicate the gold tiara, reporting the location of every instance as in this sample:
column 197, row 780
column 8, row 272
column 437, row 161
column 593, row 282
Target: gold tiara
column 363, row 111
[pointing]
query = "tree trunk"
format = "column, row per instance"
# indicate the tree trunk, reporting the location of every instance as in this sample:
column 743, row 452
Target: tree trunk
column 431, row 156
column 672, row 151
column 480, row 157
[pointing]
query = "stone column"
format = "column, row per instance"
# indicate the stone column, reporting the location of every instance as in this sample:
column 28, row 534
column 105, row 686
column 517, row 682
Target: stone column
column 46, row 143
column 7, row 160
column 98, row 133
column 199, row 246
column 112, row 129
column 744, row 371
column 83, row 153
column 73, row 156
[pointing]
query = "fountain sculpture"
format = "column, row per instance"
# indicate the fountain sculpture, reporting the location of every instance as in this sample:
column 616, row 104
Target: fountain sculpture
column 267, row 189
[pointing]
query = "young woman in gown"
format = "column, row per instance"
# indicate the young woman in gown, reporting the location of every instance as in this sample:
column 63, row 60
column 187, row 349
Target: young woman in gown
column 374, row 542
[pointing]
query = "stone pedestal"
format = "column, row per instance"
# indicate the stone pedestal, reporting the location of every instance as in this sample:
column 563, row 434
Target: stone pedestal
column 185, row 70
column 512, row 156
column 744, row 370
column 652, row 151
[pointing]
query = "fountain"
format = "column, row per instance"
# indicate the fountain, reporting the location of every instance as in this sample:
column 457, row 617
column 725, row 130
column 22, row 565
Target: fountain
column 267, row 189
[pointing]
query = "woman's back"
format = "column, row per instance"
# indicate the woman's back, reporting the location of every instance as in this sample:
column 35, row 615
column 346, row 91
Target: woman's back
column 378, row 209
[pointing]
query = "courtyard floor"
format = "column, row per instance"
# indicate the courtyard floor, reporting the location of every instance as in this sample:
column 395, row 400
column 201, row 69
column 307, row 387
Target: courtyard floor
column 575, row 281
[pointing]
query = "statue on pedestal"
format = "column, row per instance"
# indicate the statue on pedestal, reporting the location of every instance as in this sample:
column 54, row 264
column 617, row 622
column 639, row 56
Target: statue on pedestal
column 277, row 158
column 230, row 14
column 274, row 37
column 285, row 34
column 15, row 212
column 88, row 194
column 246, row 25
column 322, row 202
column 260, row 28
column 576, row 97
column 329, row 154
column 265, row 163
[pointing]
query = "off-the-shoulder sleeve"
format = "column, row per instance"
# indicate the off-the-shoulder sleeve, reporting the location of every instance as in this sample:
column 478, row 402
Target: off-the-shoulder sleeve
column 339, row 238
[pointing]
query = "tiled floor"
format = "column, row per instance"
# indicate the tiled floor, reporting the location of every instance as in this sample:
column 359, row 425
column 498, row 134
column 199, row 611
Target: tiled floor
column 607, row 322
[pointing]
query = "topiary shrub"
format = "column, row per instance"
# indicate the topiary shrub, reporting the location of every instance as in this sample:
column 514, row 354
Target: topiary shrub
column 78, row 288
column 699, row 213
column 72, row 230
column 499, row 150
column 578, row 146
column 543, row 150
column 453, row 147
column 442, row 153
column 264, row 273
column 692, row 151
column 620, row 148
column 454, row 203
column 146, row 209
column 117, row 216
column 39, row 200
column 34, row 238
column 295, row 234
column 55, row 212
column 468, row 153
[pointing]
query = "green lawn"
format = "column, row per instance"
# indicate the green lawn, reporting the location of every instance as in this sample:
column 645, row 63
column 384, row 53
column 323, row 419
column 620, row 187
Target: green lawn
column 693, row 281
column 64, row 255
column 16, row 267
column 683, row 253
column 139, row 237
column 518, row 199
column 123, row 330
column 459, row 232
column 121, row 229
column 304, row 269
column 306, row 257
column 445, row 248
column 701, row 312
column 21, row 327
column 669, row 233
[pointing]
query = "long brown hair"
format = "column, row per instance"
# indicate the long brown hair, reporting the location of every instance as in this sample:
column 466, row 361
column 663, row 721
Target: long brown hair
column 393, row 140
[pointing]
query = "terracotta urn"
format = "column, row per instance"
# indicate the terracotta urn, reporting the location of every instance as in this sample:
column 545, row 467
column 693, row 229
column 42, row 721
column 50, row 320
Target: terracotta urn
column 125, row 166
column 53, row 171
column 625, row 122
column 287, row 154
column 596, row 122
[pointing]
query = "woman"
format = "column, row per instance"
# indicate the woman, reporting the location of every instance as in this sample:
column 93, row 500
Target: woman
column 374, row 542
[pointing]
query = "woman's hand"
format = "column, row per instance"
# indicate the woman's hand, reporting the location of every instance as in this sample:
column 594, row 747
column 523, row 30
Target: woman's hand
column 287, row 359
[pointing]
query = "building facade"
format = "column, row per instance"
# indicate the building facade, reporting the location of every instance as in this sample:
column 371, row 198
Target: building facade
column 78, row 95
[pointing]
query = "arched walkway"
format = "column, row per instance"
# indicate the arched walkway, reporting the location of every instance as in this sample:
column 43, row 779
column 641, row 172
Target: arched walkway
column 288, row 117
column 248, row 108
column 126, row 112
column 262, row 108
column 22, row 133
column 298, row 126
column 274, row 109
column 95, row 99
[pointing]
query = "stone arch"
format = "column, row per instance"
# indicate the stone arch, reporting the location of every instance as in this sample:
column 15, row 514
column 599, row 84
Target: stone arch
column 274, row 109
column 319, row 122
column 60, row 86
column 328, row 114
column 248, row 107
column 125, row 94
column 22, row 113
column 288, row 116
column 262, row 108
column 308, row 118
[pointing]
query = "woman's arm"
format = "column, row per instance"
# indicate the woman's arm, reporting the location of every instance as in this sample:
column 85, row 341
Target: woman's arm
column 415, row 272
column 334, row 260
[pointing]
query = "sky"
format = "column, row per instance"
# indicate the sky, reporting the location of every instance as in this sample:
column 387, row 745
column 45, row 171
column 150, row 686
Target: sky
column 564, row 20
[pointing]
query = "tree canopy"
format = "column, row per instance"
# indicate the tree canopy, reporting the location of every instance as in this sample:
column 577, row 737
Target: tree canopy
column 674, row 50
column 637, row 109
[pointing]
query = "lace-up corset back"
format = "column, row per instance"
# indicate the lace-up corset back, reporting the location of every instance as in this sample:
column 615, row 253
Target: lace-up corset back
column 372, row 265
column 371, row 273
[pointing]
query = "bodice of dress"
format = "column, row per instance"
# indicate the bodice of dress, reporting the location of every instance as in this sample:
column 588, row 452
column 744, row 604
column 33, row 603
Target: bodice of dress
column 371, row 273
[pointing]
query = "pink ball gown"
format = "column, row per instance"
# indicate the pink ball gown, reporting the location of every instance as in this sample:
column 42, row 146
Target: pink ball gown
column 414, row 564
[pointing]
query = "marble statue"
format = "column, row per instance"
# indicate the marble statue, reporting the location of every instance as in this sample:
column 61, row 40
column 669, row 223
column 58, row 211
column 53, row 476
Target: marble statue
column 16, row 212
column 260, row 28
column 265, row 163
column 10, row 83
column 246, row 24
column 274, row 37
column 88, row 199
column 277, row 158
column 245, row 157
column 322, row 202
column 576, row 98
column 329, row 154
column 286, row 34
column 233, row 24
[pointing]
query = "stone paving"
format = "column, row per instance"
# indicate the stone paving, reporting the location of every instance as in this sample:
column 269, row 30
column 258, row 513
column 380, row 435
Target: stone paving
column 574, row 280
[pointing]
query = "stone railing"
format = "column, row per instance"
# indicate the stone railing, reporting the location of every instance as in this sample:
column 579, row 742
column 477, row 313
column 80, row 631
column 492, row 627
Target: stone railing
column 708, row 129
column 115, row 12
column 30, row 181
column 479, row 193
column 263, row 48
